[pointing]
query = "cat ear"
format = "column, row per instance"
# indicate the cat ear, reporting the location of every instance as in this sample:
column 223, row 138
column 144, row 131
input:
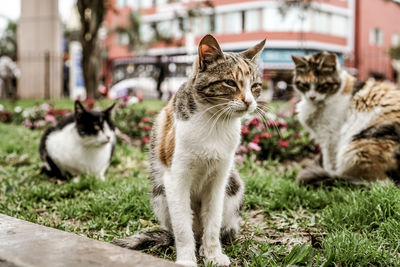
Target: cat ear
column 328, row 63
column 253, row 52
column 300, row 63
column 79, row 109
column 209, row 51
column 109, row 109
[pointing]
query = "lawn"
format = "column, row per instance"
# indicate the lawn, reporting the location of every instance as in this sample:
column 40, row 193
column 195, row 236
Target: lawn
column 284, row 224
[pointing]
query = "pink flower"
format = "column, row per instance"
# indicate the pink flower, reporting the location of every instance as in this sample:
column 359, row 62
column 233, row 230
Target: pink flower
column 245, row 129
column 144, row 119
column 239, row 159
column 27, row 124
column 50, row 118
column 146, row 139
column 265, row 135
column 254, row 146
column 283, row 143
column 242, row 149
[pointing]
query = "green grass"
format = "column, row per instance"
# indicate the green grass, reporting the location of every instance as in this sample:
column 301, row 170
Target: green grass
column 68, row 103
column 284, row 224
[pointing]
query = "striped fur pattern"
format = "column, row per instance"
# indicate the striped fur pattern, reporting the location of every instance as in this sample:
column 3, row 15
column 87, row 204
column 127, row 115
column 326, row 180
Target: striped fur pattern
column 356, row 124
column 197, row 192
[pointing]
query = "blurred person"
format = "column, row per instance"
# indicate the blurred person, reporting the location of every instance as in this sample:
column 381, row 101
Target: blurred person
column 9, row 73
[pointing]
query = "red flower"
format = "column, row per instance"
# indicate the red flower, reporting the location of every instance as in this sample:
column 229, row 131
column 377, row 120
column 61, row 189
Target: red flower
column 146, row 139
column 283, row 143
column 146, row 128
column 89, row 103
column 245, row 129
column 144, row 119
column 256, row 121
column 265, row 135
column 256, row 139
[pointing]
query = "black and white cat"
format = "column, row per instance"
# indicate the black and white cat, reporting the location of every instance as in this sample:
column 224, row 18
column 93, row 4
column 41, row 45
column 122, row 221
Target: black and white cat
column 82, row 142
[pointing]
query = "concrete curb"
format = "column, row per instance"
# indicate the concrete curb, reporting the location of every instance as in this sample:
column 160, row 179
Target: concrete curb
column 25, row 244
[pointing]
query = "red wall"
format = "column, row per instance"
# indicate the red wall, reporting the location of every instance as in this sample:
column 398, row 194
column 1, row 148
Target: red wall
column 375, row 14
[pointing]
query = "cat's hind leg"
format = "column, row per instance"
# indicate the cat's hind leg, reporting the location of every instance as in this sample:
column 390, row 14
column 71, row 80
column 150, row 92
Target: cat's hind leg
column 233, row 204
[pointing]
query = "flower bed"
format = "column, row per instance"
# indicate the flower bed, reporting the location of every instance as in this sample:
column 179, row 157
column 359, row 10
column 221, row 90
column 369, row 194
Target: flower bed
column 272, row 135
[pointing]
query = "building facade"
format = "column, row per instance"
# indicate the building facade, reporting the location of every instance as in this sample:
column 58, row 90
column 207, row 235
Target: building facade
column 350, row 28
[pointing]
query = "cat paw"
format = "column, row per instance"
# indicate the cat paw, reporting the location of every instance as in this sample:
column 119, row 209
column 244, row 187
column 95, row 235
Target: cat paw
column 218, row 259
column 186, row 263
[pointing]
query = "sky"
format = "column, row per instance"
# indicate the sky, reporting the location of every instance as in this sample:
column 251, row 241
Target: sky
column 11, row 9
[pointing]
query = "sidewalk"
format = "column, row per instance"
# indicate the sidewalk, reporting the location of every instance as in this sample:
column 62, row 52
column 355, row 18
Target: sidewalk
column 24, row 244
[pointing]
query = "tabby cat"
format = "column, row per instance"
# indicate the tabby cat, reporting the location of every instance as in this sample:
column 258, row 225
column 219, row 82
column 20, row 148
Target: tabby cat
column 197, row 192
column 357, row 125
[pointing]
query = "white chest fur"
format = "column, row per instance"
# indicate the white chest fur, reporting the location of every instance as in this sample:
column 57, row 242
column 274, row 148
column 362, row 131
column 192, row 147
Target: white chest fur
column 324, row 122
column 200, row 138
column 67, row 150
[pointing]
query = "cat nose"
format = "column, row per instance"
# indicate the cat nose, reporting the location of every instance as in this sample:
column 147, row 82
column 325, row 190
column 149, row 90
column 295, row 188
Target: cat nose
column 312, row 98
column 108, row 137
column 248, row 103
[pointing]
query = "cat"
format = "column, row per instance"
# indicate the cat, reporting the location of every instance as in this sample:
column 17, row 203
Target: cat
column 197, row 191
column 82, row 142
column 357, row 125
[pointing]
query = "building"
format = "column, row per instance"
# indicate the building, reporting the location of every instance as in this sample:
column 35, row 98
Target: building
column 352, row 29
column 375, row 33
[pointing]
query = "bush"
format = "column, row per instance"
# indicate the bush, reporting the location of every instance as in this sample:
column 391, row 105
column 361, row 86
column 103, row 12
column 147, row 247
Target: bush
column 275, row 136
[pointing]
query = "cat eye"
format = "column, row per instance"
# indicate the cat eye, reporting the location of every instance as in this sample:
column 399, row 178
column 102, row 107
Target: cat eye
column 256, row 85
column 230, row 83
column 97, row 127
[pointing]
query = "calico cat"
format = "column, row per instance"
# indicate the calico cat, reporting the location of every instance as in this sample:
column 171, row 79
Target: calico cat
column 82, row 142
column 197, row 192
column 357, row 125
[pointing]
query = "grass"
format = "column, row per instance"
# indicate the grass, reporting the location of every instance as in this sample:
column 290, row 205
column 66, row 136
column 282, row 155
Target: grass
column 68, row 103
column 284, row 224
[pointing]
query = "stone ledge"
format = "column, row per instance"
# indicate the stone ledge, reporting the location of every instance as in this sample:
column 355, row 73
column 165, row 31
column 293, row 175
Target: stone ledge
column 25, row 244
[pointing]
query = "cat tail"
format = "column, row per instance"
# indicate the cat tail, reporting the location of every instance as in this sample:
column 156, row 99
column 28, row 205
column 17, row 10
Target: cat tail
column 149, row 240
column 316, row 175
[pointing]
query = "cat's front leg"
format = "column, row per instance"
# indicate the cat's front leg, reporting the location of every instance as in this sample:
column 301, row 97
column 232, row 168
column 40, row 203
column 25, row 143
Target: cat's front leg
column 177, row 188
column 211, row 214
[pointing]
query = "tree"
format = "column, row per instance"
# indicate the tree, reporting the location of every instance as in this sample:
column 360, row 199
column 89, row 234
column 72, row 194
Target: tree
column 8, row 40
column 91, row 13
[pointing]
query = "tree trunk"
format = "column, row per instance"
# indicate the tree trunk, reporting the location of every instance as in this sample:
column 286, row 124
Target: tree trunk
column 91, row 14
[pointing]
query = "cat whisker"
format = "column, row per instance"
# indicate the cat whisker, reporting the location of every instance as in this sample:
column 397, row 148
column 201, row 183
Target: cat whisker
column 205, row 125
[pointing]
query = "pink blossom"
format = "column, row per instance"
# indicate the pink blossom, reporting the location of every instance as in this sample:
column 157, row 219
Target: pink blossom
column 50, row 118
column 27, row 124
column 242, row 149
column 254, row 146
column 145, row 119
column 239, row 159
column 117, row 131
column 146, row 139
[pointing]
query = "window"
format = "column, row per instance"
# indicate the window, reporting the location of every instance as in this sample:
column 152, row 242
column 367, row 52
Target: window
column 339, row 25
column 233, row 22
column 291, row 20
column 396, row 39
column 376, row 37
column 252, row 20
column 322, row 22
column 145, row 3
column 123, row 38
column 146, row 32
